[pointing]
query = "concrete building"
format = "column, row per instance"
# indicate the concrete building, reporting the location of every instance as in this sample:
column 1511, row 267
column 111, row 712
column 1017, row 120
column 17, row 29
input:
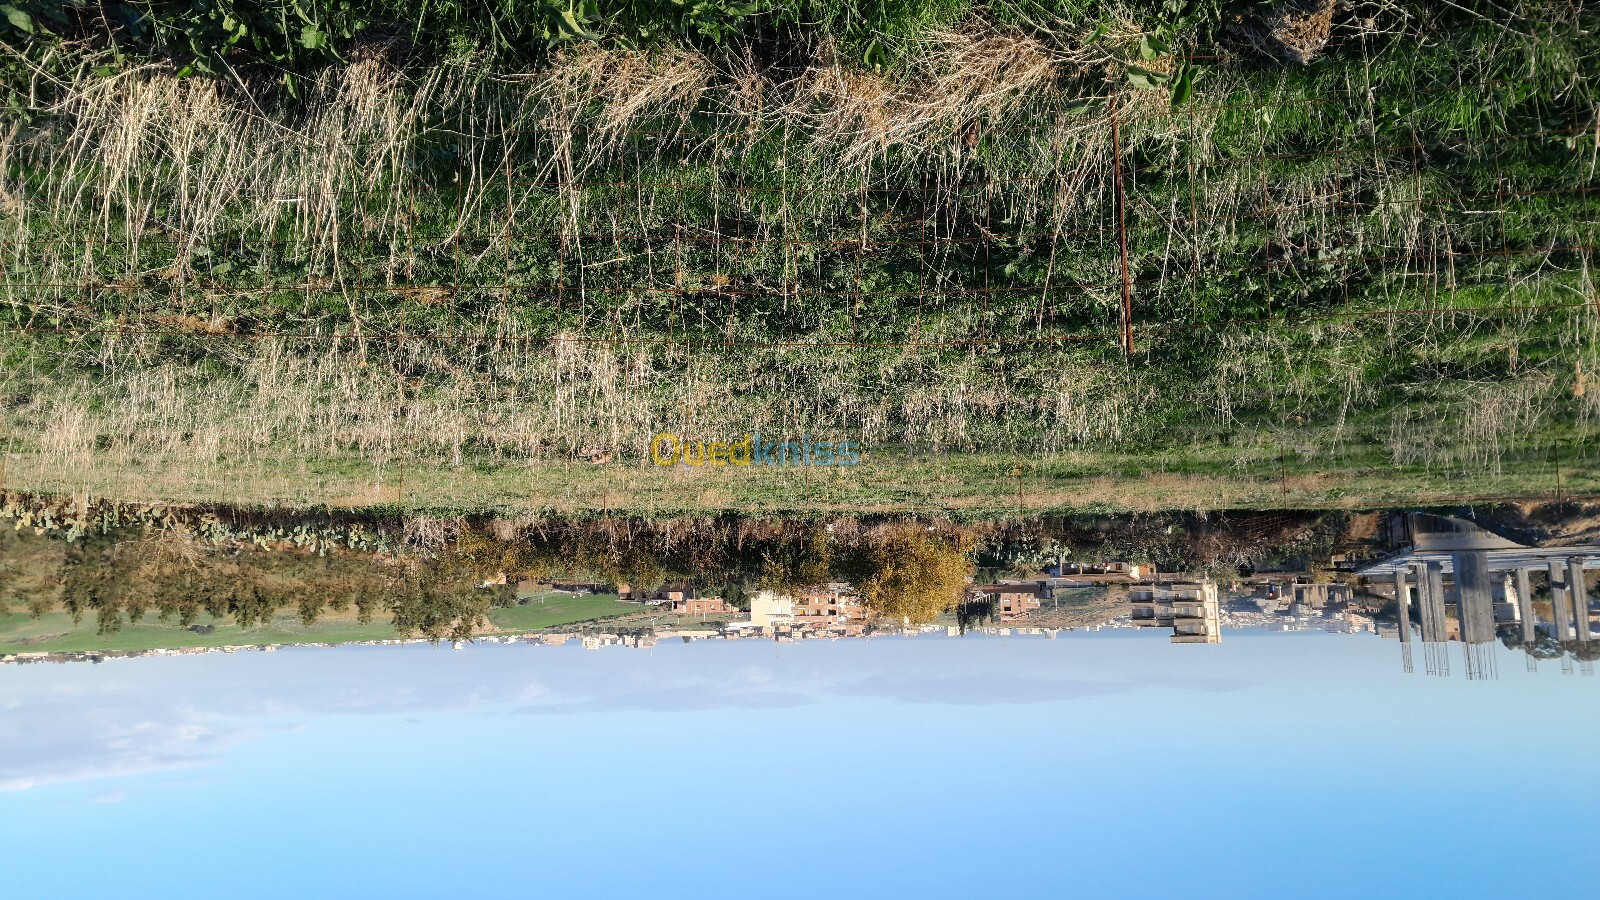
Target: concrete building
column 830, row 603
column 667, row 594
column 1483, row 562
column 1507, row 608
column 768, row 608
column 1012, row 601
column 1109, row 571
column 1190, row 609
column 1319, row 596
column 1491, row 581
column 703, row 606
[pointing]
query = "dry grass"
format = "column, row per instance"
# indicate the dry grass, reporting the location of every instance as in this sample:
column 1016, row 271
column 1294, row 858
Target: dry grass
column 963, row 81
column 518, row 400
column 1485, row 422
column 591, row 98
column 533, row 492
column 1295, row 31
column 621, row 88
column 152, row 156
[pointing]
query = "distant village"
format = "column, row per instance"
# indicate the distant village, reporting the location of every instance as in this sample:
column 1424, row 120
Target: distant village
column 1458, row 581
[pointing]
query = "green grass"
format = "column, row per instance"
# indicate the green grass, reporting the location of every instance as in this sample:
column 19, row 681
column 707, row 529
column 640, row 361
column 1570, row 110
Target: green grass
column 1407, row 250
column 54, row 633
column 1298, row 467
column 550, row 609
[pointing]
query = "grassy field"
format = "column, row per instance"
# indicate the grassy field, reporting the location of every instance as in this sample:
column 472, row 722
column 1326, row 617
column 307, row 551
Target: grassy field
column 552, row 609
column 962, row 485
column 54, row 631
column 1092, row 254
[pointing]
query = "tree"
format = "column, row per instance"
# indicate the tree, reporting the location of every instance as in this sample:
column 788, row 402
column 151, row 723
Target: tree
column 797, row 559
column 441, row 602
column 975, row 613
column 915, row 573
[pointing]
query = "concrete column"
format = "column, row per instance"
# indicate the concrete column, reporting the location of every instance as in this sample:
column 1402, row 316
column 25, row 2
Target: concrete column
column 1425, row 602
column 1560, row 603
column 1579, row 592
column 1474, row 596
column 1437, row 595
column 1525, row 607
column 1402, row 600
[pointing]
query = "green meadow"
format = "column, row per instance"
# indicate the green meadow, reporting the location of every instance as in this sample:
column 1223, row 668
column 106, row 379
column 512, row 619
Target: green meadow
column 1071, row 254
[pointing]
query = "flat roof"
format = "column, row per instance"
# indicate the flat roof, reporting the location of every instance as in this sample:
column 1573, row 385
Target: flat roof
column 1436, row 539
column 1499, row 560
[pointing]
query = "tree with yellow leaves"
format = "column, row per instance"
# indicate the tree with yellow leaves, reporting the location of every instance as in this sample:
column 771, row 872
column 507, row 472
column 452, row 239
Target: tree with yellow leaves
column 916, row 573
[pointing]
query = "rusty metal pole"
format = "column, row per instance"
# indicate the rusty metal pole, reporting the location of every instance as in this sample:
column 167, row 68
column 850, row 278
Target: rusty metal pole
column 1122, row 232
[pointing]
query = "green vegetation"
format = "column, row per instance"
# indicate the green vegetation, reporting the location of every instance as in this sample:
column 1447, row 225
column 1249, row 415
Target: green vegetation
column 159, row 580
column 181, row 577
column 915, row 575
column 1269, row 470
column 168, row 576
column 56, row 633
column 165, row 575
column 447, row 256
column 552, row 609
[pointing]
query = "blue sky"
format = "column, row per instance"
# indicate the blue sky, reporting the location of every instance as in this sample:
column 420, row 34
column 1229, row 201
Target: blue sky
column 1108, row 764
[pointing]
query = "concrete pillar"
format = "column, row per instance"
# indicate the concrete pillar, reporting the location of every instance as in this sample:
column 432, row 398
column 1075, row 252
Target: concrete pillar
column 1579, row 592
column 1525, row 607
column 1474, row 596
column 1402, row 600
column 1430, row 601
column 1560, row 603
column 1430, row 630
column 1437, row 594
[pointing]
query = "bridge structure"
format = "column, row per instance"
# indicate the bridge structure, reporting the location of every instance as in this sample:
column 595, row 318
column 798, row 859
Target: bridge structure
column 1476, row 562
